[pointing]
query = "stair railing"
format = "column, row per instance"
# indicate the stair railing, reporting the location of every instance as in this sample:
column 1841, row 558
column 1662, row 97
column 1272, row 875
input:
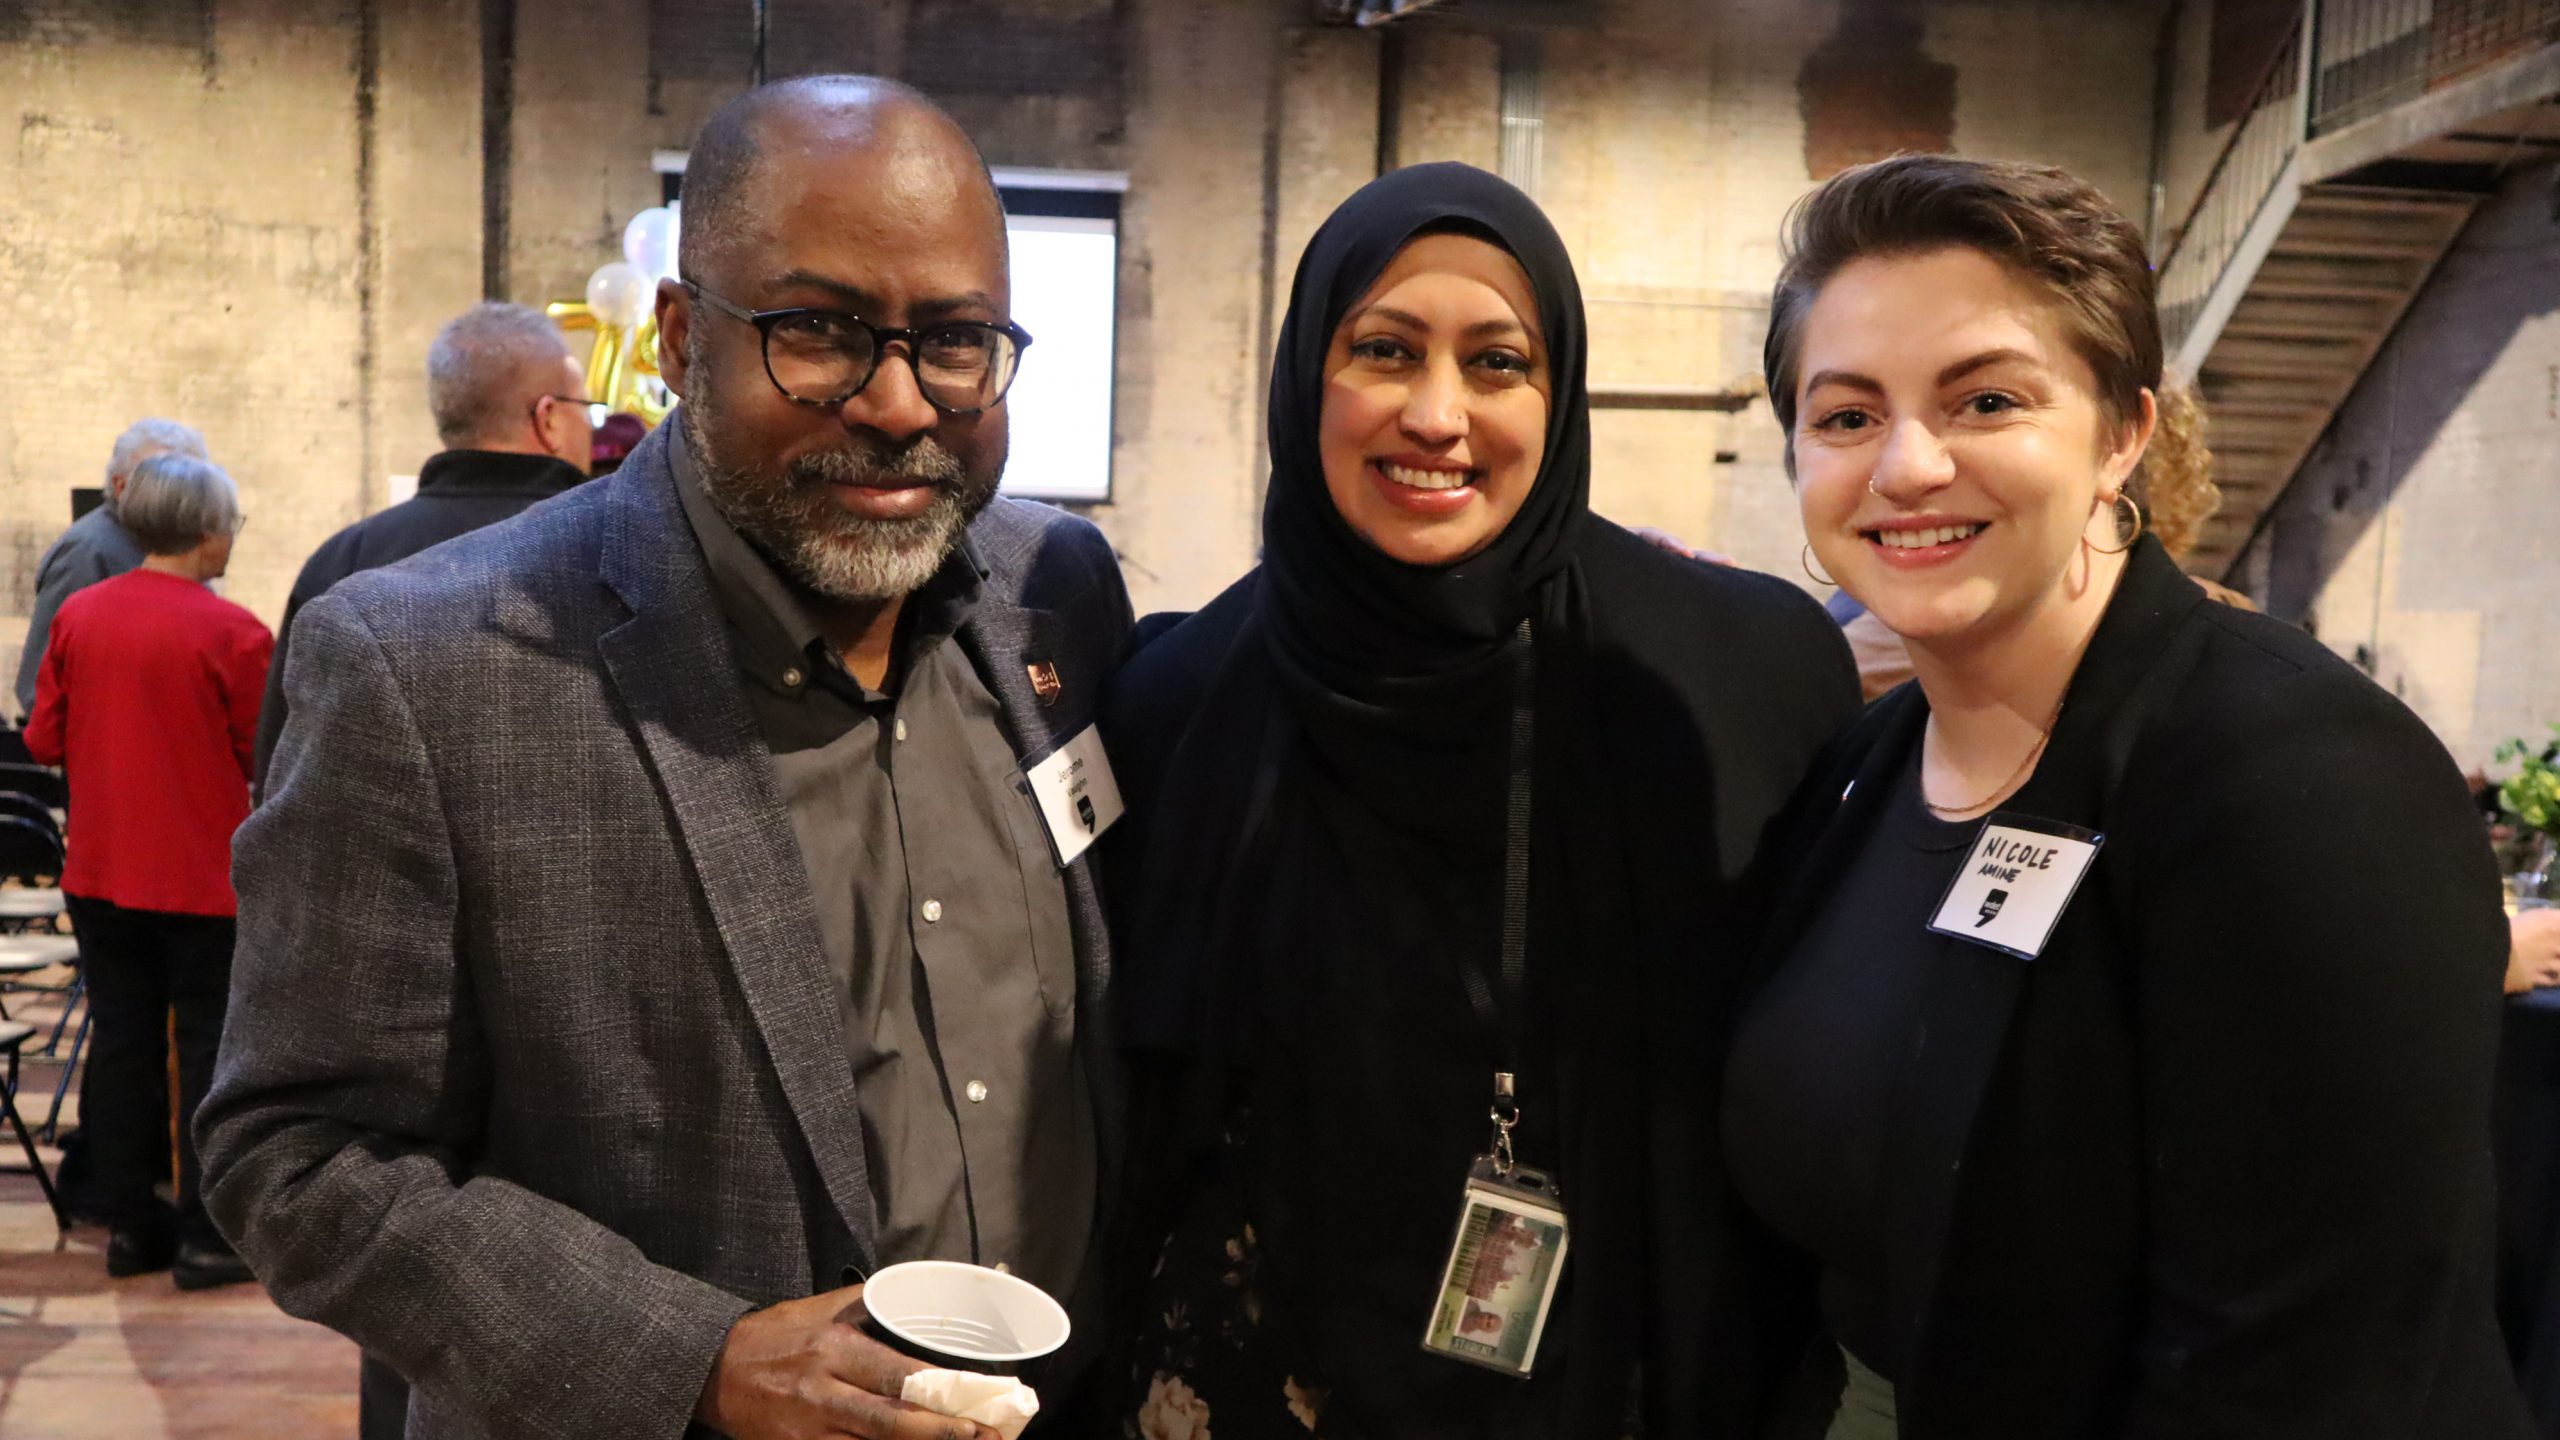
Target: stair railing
column 2345, row 61
column 2235, row 190
column 2377, row 54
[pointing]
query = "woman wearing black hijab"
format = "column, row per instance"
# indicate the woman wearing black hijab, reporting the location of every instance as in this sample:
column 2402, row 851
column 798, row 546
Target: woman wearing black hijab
column 1461, row 780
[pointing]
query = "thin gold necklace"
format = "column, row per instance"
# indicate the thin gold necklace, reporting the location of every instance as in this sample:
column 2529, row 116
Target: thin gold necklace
column 1949, row 811
column 1996, row 791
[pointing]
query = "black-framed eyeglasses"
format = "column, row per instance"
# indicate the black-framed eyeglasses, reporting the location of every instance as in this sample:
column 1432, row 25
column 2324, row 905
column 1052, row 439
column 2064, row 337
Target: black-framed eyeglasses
column 596, row 410
column 825, row 357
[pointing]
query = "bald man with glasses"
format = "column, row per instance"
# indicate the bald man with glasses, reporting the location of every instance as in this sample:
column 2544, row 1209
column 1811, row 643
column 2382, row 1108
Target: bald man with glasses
column 656, row 921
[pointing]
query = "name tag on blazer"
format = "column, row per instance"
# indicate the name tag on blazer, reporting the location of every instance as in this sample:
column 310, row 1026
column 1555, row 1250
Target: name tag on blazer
column 1079, row 797
column 2016, row 882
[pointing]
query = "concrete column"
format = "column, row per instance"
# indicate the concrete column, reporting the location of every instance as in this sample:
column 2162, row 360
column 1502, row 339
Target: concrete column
column 1448, row 98
column 1327, row 145
column 425, row 212
column 1195, row 281
column 584, row 133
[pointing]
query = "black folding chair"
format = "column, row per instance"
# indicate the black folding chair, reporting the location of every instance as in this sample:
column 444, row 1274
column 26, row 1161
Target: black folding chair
column 24, row 955
column 28, row 807
column 30, row 849
column 35, row 780
column 13, row 1036
column 31, row 854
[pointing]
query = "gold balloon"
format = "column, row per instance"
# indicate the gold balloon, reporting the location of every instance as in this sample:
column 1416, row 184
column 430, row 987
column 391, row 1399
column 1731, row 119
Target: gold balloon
column 573, row 316
column 644, row 388
column 622, row 363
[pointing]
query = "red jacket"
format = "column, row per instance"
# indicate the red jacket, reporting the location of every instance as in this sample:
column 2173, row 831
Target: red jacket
column 148, row 699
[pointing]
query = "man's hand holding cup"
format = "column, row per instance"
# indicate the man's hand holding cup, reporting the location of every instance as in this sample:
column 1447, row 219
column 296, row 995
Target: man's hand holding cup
column 806, row 1368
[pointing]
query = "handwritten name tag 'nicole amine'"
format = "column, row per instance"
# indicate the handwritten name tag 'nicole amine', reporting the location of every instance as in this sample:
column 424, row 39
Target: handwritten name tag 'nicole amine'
column 2016, row 882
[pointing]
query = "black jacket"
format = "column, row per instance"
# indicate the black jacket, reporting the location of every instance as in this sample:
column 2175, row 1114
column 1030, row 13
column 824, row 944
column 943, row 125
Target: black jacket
column 1719, row 687
column 458, row 492
column 2216, row 1164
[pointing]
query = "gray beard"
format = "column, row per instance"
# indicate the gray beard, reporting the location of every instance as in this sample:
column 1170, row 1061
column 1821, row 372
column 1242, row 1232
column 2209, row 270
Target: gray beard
column 793, row 518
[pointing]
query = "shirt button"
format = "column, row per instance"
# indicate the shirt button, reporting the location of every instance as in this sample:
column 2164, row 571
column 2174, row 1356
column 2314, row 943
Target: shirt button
column 899, row 729
column 977, row 1092
column 791, row 679
column 932, row 911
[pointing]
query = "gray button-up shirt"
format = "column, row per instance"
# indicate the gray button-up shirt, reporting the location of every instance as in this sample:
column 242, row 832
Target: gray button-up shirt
column 941, row 913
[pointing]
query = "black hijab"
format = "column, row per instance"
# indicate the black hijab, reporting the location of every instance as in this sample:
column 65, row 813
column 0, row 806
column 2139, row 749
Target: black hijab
column 1355, row 621
column 1328, row 849
column 1363, row 686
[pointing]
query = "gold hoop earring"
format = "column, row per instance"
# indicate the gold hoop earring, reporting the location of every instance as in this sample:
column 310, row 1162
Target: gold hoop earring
column 2123, row 499
column 1817, row 577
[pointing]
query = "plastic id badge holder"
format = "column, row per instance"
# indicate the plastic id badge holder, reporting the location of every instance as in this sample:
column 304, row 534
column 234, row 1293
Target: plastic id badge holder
column 1504, row 1266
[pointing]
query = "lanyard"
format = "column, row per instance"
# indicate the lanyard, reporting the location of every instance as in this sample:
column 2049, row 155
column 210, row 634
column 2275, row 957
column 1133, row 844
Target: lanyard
column 1499, row 1015
column 1506, row 1256
column 1496, row 998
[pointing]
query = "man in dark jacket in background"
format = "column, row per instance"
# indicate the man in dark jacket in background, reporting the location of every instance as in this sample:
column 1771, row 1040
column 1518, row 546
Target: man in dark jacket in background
column 511, row 408
column 97, row 546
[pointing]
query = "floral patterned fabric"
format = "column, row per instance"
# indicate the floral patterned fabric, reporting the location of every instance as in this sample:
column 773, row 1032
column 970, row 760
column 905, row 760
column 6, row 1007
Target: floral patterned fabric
column 1220, row 1354
column 1210, row 1359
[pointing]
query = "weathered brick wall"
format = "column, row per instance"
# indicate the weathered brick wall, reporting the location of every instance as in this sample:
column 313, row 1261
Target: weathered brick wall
column 1676, row 142
column 198, row 226
column 180, row 237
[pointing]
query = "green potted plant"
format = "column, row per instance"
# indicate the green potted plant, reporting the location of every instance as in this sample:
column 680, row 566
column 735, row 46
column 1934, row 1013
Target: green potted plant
column 2531, row 798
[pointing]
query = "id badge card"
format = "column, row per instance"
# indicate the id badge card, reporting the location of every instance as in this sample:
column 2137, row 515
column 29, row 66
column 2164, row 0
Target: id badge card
column 1078, row 795
column 1504, row 1266
column 2016, row 882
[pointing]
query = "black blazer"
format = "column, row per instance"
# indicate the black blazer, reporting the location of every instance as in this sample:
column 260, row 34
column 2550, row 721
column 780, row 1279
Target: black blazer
column 1723, row 685
column 2216, row 1164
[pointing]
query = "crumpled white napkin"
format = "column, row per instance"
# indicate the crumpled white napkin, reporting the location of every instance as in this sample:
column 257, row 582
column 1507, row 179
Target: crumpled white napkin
column 999, row 1402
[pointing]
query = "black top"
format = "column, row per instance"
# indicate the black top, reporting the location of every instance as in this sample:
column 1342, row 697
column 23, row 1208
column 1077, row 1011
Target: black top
column 2216, row 1162
column 1365, row 1078
column 1811, row 1078
column 459, row 491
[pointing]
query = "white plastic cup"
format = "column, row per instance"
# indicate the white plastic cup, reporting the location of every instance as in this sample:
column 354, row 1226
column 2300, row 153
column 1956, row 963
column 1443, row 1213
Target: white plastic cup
column 962, row 1316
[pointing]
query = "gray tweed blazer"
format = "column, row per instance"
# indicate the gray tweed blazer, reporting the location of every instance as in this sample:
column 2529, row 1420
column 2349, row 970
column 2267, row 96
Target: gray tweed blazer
column 534, row 1079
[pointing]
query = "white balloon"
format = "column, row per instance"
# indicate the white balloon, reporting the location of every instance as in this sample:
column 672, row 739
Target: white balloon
column 649, row 242
column 620, row 294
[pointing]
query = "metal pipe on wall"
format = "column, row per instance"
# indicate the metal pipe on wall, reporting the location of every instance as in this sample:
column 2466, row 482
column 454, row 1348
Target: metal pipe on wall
column 1379, row 12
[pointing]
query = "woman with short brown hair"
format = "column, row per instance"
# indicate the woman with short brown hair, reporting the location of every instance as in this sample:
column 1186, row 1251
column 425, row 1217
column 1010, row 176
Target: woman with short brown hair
column 2122, row 1065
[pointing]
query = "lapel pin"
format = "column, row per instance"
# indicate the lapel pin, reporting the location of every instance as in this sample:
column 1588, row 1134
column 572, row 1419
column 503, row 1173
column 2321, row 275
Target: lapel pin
column 1044, row 681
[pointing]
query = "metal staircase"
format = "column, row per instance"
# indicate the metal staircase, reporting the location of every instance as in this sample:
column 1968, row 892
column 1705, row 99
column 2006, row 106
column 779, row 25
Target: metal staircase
column 2378, row 128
